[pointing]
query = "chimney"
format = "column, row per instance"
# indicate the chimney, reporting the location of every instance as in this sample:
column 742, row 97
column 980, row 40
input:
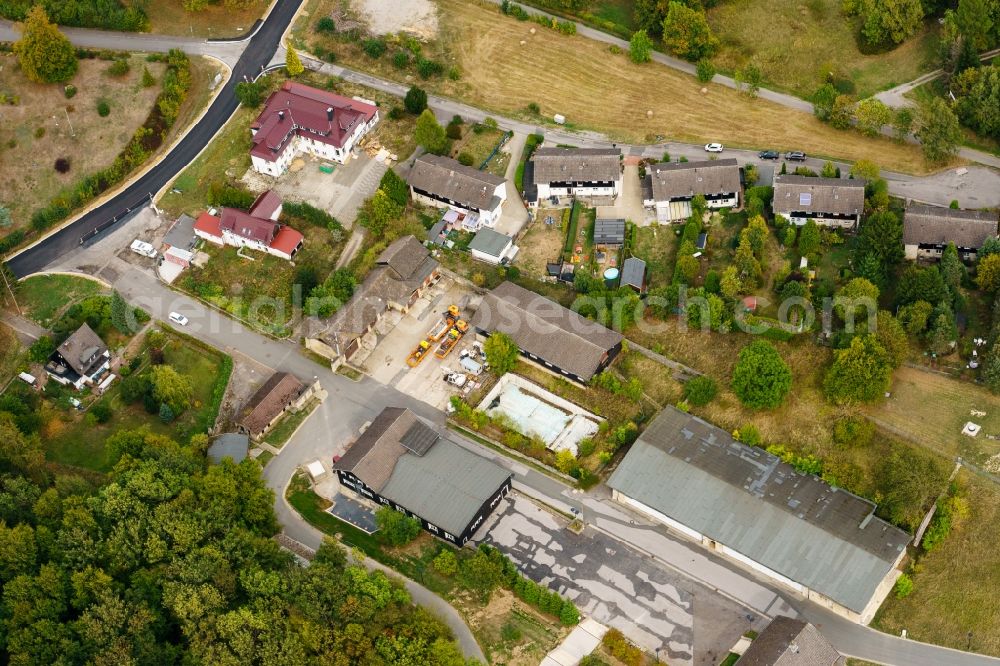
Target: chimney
column 329, row 113
column 281, row 116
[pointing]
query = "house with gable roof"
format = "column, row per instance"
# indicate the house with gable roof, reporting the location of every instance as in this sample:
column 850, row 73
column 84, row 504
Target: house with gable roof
column 257, row 229
column 297, row 118
column 80, row 360
column 442, row 182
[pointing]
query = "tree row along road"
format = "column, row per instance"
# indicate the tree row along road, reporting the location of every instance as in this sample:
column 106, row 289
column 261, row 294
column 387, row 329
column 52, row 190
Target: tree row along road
column 256, row 53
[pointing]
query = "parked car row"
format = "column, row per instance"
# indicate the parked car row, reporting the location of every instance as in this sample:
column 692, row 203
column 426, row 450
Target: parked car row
column 791, row 156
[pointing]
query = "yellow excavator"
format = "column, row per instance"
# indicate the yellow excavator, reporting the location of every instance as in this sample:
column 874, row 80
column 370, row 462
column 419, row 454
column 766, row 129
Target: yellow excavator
column 452, row 338
column 443, row 326
column 417, row 355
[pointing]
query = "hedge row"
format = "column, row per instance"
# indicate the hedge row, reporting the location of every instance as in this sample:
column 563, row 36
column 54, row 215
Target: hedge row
column 106, row 14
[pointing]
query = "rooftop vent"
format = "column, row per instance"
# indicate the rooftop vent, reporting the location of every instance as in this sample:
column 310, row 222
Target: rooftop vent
column 329, row 113
column 281, row 115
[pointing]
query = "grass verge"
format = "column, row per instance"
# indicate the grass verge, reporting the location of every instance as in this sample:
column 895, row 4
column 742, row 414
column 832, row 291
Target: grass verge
column 287, row 426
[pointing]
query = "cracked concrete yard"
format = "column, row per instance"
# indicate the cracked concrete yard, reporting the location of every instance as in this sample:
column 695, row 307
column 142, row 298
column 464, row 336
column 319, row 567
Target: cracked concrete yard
column 652, row 605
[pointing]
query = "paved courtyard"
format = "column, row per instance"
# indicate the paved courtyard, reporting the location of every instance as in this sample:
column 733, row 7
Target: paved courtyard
column 652, row 605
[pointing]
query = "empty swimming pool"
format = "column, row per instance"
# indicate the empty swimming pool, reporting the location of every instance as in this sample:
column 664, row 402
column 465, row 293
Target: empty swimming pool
column 536, row 412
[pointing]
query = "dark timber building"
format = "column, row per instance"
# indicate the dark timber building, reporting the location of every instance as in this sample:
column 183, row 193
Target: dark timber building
column 403, row 463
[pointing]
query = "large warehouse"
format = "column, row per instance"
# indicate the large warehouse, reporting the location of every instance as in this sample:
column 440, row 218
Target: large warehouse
column 745, row 504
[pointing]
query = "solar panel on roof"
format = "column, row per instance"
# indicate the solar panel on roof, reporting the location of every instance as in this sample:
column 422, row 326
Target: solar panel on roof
column 805, row 198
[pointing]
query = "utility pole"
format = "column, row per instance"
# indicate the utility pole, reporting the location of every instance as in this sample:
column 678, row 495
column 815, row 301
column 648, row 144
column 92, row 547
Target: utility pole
column 3, row 271
column 70, row 122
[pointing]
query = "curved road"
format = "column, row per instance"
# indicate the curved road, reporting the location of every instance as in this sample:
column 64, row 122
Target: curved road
column 256, row 54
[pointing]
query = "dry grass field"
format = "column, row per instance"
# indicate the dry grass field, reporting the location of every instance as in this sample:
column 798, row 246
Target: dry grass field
column 45, row 126
column 940, row 428
column 955, row 585
column 797, row 45
column 597, row 90
column 216, row 20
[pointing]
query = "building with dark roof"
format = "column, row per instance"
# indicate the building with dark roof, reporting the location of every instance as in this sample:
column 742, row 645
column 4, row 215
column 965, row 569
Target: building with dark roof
column 586, row 173
column 609, row 233
column 445, row 183
column 281, row 393
column 746, row 504
column 232, row 445
column 927, row 230
column 492, row 247
column 297, row 118
column 634, row 274
column 554, row 337
column 401, row 274
column 831, row 202
column 80, row 360
column 670, row 187
column 790, row 642
column 257, row 229
column 401, row 462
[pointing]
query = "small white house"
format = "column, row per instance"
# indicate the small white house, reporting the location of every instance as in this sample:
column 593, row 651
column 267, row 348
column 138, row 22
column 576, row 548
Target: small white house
column 493, row 247
column 445, row 183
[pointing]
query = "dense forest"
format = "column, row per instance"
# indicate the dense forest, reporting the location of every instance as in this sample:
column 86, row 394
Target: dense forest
column 167, row 561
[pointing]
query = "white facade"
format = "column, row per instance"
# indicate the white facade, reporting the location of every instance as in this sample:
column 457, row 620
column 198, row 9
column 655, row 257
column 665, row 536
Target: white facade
column 85, row 380
column 486, row 217
column 545, row 190
column 672, row 210
column 305, row 142
column 821, row 220
column 508, row 252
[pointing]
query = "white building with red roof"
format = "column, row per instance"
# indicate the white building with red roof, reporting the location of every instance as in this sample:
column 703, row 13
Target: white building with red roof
column 257, row 229
column 298, row 118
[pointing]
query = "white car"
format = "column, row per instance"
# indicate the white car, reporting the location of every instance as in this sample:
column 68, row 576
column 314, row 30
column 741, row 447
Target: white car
column 178, row 319
column 145, row 249
column 714, row 147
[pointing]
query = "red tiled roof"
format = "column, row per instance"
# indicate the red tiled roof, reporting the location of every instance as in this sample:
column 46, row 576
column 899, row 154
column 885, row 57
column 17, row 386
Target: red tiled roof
column 287, row 240
column 265, row 205
column 247, row 226
column 209, row 224
column 305, row 112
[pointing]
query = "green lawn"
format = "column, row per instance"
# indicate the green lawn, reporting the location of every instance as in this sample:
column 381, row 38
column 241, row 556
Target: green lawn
column 797, row 45
column 657, row 246
column 70, row 440
column 479, row 145
column 288, row 424
column 43, row 297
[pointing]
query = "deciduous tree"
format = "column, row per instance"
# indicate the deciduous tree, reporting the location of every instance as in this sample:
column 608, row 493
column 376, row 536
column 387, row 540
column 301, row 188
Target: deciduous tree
column 872, row 115
column 396, row 528
column 809, row 238
column 988, row 273
column 501, row 352
column 889, row 21
column 171, row 387
column 293, row 65
column 686, row 33
column 938, row 130
column 44, row 53
column 860, row 373
column 429, row 133
column 640, row 47
column 761, row 378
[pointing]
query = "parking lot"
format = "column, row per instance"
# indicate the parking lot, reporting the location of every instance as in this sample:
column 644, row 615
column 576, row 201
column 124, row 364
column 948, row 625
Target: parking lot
column 655, row 607
column 387, row 362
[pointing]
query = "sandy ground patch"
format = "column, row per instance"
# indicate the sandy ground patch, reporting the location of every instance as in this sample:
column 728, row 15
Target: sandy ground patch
column 384, row 17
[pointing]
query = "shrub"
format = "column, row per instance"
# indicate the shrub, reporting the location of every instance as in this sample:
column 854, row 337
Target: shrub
column 454, row 73
column 400, row 59
column 62, row 164
column 395, row 528
column 101, row 412
column 619, row 647
column 415, row 101
column 446, row 563
column 103, row 109
column 326, row 25
column 119, row 68
column 148, row 80
column 428, row 68
column 396, row 112
column 250, row 94
column 465, row 158
column 700, row 391
column 69, row 90
column 903, row 587
column 374, row 48
column 39, row 132
column 705, row 70
column 534, row 108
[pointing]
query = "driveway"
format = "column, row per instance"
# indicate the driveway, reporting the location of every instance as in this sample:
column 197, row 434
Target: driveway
column 629, row 204
column 653, row 606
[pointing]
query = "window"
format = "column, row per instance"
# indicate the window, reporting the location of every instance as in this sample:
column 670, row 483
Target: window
column 432, row 528
column 805, row 198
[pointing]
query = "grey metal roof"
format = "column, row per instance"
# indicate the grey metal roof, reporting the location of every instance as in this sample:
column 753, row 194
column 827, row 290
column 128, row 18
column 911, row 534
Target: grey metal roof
column 231, row 445
column 181, row 234
column 418, row 438
column 939, row 226
column 633, row 272
column 448, row 178
column 673, row 180
column 434, row 235
column 555, row 165
column 747, row 499
column 839, row 196
column 446, row 486
column 609, row 232
column 490, row 242
column 790, row 642
column 546, row 329
column 82, row 349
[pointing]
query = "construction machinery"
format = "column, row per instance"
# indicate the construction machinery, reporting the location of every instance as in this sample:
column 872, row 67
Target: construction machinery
column 452, row 338
column 442, row 327
column 417, row 355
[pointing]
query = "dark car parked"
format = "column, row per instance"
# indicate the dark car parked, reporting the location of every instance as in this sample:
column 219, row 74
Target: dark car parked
column 768, row 154
column 795, row 156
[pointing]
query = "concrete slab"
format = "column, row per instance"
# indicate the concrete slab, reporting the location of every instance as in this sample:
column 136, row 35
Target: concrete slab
column 629, row 203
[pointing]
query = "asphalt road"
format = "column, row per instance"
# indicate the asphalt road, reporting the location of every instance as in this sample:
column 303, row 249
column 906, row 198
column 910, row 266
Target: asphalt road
column 256, row 54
